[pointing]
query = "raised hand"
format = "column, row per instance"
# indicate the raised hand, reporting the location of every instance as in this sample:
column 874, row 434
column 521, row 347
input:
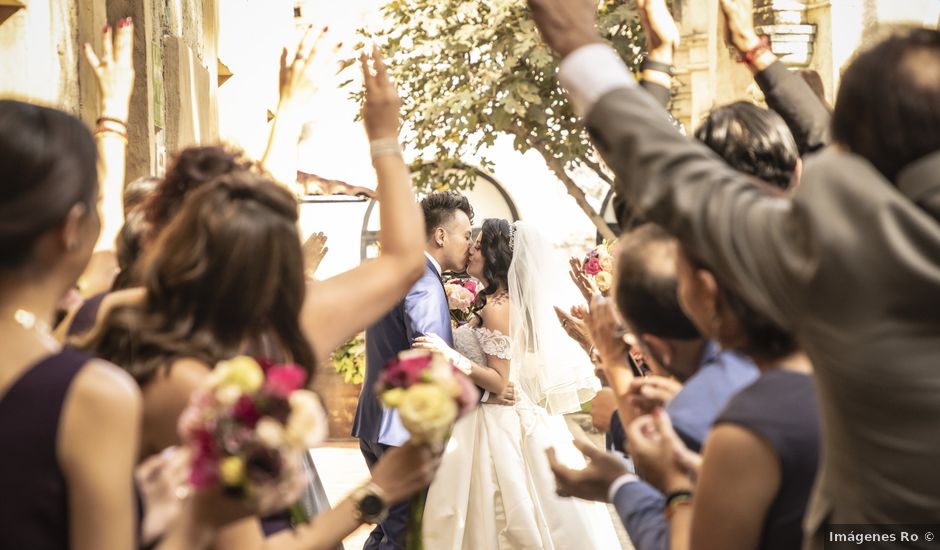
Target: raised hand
column 592, row 482
column 566, row 25
column 314, row 249
column 298, row 79
column 662, row 34
column 381, row 108
column 114, row 70
column 403, row 471
column 739, row 25
column 652, row 442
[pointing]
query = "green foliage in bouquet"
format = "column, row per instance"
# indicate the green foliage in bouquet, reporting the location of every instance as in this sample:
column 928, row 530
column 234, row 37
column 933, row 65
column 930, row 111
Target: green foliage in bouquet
column 469, row 71
column 350, row 360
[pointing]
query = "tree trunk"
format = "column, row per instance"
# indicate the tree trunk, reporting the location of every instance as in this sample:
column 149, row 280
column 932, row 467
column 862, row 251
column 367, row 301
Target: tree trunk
column 558, row 168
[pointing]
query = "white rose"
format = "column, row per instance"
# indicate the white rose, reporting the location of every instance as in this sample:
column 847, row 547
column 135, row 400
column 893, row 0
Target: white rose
column 270, row 432
column 307, row 424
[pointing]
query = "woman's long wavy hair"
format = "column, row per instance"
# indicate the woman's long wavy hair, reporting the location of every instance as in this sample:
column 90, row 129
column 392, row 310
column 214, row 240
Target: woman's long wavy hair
column 497, row 255
column 226, row 272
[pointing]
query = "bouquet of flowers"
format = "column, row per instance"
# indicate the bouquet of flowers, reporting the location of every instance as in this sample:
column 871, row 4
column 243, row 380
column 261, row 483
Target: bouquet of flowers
column 461, row 293
column 430, row 394
column 599, row 264
column 247, row 428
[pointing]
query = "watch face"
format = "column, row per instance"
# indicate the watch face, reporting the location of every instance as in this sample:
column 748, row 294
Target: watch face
column 371, row 505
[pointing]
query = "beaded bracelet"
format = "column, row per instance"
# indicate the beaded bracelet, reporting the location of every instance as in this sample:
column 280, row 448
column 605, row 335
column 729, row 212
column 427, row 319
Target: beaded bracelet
column 676, row 499
column 749, row 56
column 384, row 147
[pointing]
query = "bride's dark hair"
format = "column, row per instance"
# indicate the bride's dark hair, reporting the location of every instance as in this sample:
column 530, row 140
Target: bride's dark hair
column 497, row 255
column 228, row 270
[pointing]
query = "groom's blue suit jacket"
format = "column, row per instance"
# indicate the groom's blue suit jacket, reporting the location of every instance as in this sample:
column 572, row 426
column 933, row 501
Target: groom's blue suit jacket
column 423, row 311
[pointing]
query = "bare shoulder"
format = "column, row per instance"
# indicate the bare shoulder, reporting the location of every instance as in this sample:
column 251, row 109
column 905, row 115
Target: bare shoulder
column 103, row 386
column 495, row 313
column 185, row 374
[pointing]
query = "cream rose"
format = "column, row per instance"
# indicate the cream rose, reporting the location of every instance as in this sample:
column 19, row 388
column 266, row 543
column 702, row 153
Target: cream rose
column 307, row 425
column 604, row 279
column 270, row 432
column 428, row 412
column 607, row 263
column 242, row 372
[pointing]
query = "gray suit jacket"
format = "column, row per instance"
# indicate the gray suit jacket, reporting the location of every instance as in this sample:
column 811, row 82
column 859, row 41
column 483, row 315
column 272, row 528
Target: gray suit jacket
column 850, row 263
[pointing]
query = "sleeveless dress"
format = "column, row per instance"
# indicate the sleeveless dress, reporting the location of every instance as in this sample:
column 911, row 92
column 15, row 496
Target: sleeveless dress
column 34, row 510
column 494, row 489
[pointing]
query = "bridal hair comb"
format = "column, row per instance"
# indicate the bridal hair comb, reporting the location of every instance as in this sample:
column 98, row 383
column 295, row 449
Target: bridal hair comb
column 512, row 236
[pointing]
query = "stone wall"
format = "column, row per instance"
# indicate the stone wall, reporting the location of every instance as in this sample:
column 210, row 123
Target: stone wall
column 821, row 35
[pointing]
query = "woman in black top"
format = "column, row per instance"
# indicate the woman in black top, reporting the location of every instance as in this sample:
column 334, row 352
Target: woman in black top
column 759, row 463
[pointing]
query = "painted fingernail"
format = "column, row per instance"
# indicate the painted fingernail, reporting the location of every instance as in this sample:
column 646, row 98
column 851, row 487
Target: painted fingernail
column 106, row 28
column 326, row 28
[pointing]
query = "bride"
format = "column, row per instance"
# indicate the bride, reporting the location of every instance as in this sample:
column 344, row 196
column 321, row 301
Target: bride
column 494, row 489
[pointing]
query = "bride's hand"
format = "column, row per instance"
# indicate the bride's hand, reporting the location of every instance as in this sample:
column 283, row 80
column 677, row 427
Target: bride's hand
column 434, row 343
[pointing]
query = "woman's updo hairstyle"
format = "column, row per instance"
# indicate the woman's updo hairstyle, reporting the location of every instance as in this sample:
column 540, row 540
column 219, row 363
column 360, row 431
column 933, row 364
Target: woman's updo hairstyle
column 496, row 248
column 48, row 164
column 191, row 168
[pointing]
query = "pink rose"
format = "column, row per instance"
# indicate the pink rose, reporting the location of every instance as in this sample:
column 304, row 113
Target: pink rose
column 283, row 379
column 406, row 369
column 592, row 267
column 205, row 470
column 471, row 285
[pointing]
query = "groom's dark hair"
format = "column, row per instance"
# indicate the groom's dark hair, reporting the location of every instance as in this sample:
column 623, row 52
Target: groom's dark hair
column 439, row 208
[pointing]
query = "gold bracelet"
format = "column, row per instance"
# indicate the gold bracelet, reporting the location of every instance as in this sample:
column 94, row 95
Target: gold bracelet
column 102, row 131
column 384, row 147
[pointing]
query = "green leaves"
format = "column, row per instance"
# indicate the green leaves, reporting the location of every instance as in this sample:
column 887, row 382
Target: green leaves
column 469, row 71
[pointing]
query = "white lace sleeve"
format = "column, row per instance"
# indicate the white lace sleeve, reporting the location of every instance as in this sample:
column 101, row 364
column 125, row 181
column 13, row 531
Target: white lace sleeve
column 495, row 343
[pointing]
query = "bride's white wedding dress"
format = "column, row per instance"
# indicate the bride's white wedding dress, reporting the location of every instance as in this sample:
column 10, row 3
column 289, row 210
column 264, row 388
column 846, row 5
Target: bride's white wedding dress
column 494, row 489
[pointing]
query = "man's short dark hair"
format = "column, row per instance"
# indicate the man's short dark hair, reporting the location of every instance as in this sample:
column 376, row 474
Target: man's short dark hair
column 646, row 284
column 888, row 107
column 752, row 140
column 440, row 207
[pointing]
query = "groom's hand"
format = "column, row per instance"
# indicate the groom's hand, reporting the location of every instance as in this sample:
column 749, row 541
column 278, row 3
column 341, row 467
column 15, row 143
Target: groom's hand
column 508, row 397
column 566, row 25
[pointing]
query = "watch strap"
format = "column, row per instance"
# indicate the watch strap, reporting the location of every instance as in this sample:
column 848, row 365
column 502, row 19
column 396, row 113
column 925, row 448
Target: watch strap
column 650, row 65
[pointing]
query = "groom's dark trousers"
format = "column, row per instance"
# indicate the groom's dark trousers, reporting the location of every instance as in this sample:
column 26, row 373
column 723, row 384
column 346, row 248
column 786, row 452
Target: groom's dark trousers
column 423, row 311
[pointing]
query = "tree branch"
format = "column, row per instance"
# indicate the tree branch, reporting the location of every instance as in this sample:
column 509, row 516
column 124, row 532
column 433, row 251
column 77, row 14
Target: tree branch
column 597, row 168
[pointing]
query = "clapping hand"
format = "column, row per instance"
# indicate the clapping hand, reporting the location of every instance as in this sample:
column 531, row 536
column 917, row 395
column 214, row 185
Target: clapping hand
column 662, row 34
column 659, row 455
column 591, row 482
column 607, row 331
column 585, row 283
column 575, row 327
column 652, row 392
column 114, row 71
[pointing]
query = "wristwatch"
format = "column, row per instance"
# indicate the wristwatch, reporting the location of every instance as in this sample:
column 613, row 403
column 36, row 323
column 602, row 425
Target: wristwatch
column 371, row 506
column 650, row 65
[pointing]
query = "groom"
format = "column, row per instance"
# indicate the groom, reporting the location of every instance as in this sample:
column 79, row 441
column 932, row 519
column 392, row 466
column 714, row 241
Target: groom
column 424, row 310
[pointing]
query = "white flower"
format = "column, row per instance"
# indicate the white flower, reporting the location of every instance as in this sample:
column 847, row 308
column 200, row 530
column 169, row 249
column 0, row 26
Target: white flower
column 307, row 425
column 228, row 395
column 270, row 432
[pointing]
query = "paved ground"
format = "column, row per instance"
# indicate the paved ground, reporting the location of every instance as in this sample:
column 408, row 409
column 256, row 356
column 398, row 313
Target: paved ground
column 342, row 469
